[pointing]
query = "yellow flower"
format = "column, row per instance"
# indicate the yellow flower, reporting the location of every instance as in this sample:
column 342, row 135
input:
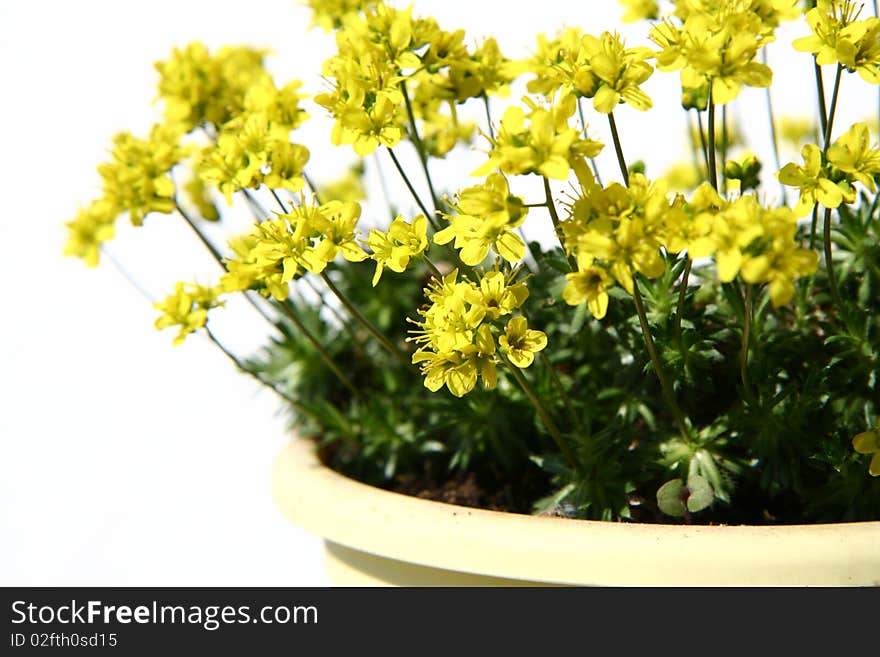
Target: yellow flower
column 619, row 72
column 589, row 283
column 520, row 343
column 138, row 179
column 546, row 147
column 92, row 227
column 779, row 261
column 187, row 308
column 638, row 10
column 868, row 442
column 852, row 154
column 496, row 296
column 814, row 183
column 199, row 88
column 396, row 247
column 488, row 216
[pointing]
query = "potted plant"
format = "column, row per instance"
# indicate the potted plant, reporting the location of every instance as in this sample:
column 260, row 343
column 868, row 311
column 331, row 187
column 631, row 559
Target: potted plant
column 679, row 386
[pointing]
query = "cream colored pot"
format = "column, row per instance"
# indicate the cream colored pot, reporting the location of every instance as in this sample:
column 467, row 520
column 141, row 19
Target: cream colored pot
column 376, row 537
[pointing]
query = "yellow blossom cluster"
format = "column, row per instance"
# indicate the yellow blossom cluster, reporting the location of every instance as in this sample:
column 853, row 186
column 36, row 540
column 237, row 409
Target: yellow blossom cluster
column 838, row 37
column 187, row 308
column 380, row 53
column 487, row 216
column 828, row 179
column 278, row 250
column 548, row 145
column 715, row 42
column 459, row 336
column 601, row 68
column 616, row 231
column 254, row 148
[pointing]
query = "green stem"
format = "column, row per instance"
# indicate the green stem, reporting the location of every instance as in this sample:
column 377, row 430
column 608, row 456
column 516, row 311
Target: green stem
column 326, row 357
column 829, row 264
column 557, row 226
column 593, row 164
column 420, row 147
column 246, row 370
column 693, row 132
column 432, row 267
column 747, row 329
column 724, row 137
column 682, row 293
column 830, row 123
column 814, row 225
column 313, row 187
column 703, row 143
column 278, row 200
column 710, row 130
column 218, row 257
column 383, row 184
column 488, row 115
column 256, row 206
column 617, row 149
column 566, row 400
column 202, row 237
column 412, row 190
column 658, row 366
column 542, row 413
column 774, row 139
column 820, row 91
column 366, row 323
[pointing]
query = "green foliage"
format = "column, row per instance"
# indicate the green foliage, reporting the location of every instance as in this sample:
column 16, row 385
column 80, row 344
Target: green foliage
column 774, row 450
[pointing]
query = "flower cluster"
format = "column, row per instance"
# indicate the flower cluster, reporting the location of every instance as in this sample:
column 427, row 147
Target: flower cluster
column 753, row 325
column 383, row 51
column 828, row 178
column 458, row 329
column 487, row 217
column 714, row 44
column 187, row 308
column 278, row 250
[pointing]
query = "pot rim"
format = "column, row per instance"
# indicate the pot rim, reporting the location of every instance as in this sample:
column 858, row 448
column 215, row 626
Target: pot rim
column 566, row 551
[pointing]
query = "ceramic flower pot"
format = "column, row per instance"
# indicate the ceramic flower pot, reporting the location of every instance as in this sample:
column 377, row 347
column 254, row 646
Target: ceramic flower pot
column 376, row 537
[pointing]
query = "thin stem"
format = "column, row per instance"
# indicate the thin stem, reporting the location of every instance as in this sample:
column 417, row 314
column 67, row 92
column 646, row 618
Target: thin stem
column 814, row 225
column 488, row 115
column 202, row 237
column 696, row 150
column 383, row 184
column 332, row 310
column 542, row 413
column 366, row 323
column 830, row 123
column 566, row 400
column 255, row 204
column 593, row 164
column 556, row 223
column 246, row 370
column 747, row 330
column 774, row 139
column 658, row 366
column 420, row 147
column 829, row 264
column 432, row 267
column 820, row 91
column 326, row 357
column 412, row 190
column 682, row 293
column 278, row 200
column 724, row 137
column 710, row 130
column 617, row 149
column 312, row 186
column 703, row 143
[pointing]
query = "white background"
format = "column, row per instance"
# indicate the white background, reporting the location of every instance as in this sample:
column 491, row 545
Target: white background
column 123, row 460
